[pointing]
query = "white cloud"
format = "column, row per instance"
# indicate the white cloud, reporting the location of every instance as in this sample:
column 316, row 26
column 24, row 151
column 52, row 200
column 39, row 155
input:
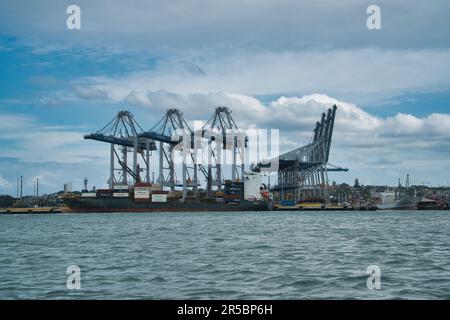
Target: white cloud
column 297, row 115
column 33, row 142
column 196, row 23
column 51, row 101
column 89, row 93
column 361, row 75
column 4, row 184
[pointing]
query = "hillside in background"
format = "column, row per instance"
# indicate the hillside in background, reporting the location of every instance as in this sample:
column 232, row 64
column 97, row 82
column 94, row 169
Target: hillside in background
column 6, row 201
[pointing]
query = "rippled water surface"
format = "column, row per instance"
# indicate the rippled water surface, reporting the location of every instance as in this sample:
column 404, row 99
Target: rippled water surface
column 239, row 255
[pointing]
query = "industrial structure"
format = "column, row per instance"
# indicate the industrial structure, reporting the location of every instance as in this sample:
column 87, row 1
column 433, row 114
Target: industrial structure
column 222, row 134
column 174, row 134
column 302, row 173
column 122, row 133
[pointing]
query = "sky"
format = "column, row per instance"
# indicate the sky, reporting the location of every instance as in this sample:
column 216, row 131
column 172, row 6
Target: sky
column 276, row 64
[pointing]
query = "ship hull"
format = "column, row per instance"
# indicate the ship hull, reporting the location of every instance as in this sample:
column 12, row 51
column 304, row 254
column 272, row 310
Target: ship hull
column 127, row 205
column 403, row 204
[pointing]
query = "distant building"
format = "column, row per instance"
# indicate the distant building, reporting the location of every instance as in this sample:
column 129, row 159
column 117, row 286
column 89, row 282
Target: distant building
column 67, row 187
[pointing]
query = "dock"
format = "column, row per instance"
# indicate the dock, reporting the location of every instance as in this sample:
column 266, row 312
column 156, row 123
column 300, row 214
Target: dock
column 311, row 207
column 41, row 210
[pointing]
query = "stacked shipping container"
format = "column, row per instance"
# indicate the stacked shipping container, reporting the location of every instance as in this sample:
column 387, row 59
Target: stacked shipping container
column 233, row 192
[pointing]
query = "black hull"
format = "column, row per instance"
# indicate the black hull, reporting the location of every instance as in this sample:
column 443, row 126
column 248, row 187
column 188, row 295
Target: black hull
column 127, row 205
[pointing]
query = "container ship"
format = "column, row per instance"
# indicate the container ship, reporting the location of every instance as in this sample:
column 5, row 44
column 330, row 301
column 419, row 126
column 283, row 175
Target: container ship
column 247, row 195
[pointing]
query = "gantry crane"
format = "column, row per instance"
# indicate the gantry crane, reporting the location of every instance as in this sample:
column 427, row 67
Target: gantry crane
column 174, row 133
column 222, row 131
column 303, row 172
column 123, row 131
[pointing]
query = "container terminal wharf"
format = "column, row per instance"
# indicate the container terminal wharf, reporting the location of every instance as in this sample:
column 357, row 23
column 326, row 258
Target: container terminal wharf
column 313, row 206
column 40, row 210
column 302, row 174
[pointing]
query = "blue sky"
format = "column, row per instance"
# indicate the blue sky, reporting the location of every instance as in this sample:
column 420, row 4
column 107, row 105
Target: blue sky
column 277, row 64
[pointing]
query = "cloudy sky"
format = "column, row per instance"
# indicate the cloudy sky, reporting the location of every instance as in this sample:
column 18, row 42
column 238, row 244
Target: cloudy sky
column 276, row 64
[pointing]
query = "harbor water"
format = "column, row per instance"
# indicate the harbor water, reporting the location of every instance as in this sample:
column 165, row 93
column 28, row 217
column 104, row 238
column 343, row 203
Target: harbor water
column 226, row 255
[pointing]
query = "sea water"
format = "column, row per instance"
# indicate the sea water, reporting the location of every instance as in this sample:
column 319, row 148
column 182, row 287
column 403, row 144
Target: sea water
column 226, row 255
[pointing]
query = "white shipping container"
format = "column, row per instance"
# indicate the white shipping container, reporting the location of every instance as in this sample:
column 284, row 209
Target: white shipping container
column 142, row 196
column 141, row 192
column 121, row 187
column 159, row 197
column 88, row 194
column 121, row 194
